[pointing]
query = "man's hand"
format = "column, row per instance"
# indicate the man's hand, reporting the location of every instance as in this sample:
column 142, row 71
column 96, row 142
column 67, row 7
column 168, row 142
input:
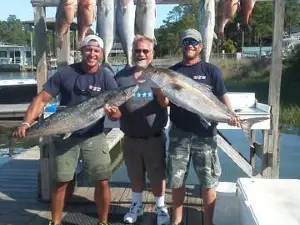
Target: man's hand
column 20, row 132
column 234, row 122
column 112, row 112
column 158, row 92
column 163, row 101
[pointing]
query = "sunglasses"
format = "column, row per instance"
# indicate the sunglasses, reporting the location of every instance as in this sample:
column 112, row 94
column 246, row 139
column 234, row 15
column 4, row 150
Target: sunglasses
column 139, row 51
column 187, row 42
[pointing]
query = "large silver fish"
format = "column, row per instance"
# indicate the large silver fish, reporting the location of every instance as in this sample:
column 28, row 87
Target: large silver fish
column 106, row 26
column 145, row 18
column 65, row 14
column 195, row 97
column 86, row 17
column 80, row 115
column 206, row 21
column 125, row 14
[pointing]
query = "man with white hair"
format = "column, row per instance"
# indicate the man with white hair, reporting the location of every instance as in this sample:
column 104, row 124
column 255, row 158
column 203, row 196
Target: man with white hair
column 75, row 83
column 142, row 119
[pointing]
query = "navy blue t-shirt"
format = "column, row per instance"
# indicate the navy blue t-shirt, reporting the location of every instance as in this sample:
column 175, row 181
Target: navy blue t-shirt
column 201, row 72
column 74, row 86
column 142, row 115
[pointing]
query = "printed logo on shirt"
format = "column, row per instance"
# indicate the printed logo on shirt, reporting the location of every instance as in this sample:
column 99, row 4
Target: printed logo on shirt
column 94, row 88
column 199, row 77
column 143, row 94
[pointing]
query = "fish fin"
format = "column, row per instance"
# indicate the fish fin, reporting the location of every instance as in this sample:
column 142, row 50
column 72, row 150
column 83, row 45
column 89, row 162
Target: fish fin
column 246, row 125
column 67, row 135
column 205, row 87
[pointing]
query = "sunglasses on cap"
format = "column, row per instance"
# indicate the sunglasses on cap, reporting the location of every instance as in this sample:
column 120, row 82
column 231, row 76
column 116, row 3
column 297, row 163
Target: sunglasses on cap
column 145, row 51
column 189, row 41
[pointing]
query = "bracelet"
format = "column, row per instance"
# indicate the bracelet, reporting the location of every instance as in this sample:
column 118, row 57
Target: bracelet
column 25, row 123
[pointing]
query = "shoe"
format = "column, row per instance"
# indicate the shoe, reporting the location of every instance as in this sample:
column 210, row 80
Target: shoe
column 134, row 212
column 162, row 215
column 52, row 223
column 103, row 223
column 181, row 223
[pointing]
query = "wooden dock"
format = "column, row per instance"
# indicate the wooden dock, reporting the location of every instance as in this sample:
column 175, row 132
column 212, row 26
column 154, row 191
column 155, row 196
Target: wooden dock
column 13, row 110
column 20, row 203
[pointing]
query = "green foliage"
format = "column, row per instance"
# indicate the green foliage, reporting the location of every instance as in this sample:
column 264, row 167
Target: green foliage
column 261, row 27
column 228, row 46
column 13, row 31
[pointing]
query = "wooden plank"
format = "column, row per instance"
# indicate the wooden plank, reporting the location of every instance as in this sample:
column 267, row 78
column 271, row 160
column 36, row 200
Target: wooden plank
column 13, row 110
column 124, row 203
column 54, row 3
column 194, row 208
column 272, row 145
column 232, row 153
column 116, row 194
column 113, row 137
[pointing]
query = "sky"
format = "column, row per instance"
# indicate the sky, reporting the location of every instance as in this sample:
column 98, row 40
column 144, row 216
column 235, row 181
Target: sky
column 23, row 10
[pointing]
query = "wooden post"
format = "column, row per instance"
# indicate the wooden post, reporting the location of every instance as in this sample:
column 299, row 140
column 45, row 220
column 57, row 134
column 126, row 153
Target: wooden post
column 252, row 150
column 271, row 148
column 41, row 71
column 40, row 45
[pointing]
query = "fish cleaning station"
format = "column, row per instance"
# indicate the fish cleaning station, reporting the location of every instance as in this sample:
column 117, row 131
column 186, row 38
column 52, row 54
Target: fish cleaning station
column 257, row 198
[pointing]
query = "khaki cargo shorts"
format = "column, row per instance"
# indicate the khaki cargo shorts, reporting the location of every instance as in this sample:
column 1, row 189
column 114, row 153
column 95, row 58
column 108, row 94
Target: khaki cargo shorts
column 183, row 148
column 145, row 156
column 94, row 152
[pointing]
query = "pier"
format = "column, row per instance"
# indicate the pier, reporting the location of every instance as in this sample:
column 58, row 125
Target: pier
column 20, row 194
column 26, row 180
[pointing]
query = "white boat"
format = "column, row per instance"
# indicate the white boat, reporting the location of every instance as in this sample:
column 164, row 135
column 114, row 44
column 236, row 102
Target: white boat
column 15, row 58
column 17, row 91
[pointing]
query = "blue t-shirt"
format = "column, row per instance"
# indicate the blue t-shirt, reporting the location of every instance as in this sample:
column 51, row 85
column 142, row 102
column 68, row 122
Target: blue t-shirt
column 142, row 115
column 74, row 86
column 201, row 72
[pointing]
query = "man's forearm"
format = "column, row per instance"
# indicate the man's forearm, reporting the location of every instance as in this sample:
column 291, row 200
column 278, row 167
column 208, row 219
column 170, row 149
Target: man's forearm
column 34, row 110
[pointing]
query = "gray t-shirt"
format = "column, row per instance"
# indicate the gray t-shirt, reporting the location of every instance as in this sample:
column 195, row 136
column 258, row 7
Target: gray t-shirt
column 142, row 115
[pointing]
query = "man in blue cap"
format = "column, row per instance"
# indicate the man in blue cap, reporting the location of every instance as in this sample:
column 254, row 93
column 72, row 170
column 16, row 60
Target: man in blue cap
column 190, row 136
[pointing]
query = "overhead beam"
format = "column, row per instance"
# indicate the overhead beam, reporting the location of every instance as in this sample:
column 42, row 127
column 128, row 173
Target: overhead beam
column 54, row 3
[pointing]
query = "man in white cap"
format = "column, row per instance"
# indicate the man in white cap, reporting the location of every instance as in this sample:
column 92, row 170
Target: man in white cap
column 75, row 83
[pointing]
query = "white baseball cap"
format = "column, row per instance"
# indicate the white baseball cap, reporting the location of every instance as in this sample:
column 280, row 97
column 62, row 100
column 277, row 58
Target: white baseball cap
column 89, row 38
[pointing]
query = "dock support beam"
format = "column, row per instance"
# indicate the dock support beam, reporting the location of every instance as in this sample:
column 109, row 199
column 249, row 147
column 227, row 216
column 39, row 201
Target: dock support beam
column 271, row 137
column 40, row 31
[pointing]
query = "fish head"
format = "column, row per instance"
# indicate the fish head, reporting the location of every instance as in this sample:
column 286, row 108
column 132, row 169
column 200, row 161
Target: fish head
column 159, row 77
column 121, row 95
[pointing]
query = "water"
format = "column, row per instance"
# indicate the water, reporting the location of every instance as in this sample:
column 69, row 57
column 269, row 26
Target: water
column 289, row 149
column 289, row 158
column 13, row 75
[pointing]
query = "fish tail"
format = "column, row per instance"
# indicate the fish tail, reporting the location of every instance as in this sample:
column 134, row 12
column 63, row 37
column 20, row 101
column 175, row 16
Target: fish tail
column 246, row 125
column 11, row 147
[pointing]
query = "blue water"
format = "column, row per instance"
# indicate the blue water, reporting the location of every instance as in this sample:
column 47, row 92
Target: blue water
column 289, row 158
column 13, row 75
column 289, row 149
